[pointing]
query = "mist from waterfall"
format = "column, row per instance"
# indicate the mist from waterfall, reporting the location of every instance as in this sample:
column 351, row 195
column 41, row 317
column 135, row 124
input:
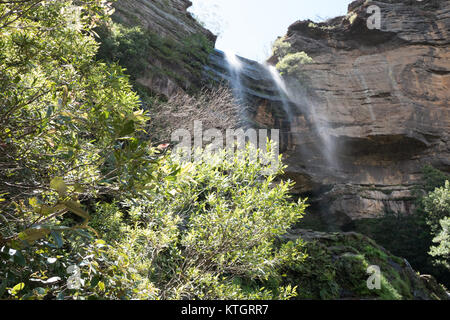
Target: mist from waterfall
column 296, row 95
column 234, row 68
column 320, row 122
column 294, row 99
column 282, row 91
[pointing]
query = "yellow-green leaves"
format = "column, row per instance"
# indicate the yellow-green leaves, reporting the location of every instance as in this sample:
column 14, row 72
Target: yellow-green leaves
column 33, row 234
column 17, row 288
column 59, row 186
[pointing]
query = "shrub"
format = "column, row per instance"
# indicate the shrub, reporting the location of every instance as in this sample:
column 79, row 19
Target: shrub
column 89, row 210
column 291, row 64
column 281, row 47
column 437, row 207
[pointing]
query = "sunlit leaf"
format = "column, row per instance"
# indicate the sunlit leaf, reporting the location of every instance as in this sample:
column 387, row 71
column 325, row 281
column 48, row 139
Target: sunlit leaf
column 59, row 185
column 33, row 234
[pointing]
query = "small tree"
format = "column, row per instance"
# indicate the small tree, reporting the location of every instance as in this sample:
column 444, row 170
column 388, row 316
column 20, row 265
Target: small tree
column 437, row 206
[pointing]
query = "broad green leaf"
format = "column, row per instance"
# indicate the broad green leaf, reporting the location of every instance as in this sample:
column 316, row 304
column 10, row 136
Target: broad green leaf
column 33, row 234
column 75, row 207
column 59, row 185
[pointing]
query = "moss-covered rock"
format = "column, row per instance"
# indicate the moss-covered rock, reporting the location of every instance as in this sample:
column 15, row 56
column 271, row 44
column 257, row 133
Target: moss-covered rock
column 337, row 268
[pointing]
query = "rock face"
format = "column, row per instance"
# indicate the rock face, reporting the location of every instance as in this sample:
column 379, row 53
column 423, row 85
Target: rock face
column 168, row 18
column 170, row 21
column 370, row 110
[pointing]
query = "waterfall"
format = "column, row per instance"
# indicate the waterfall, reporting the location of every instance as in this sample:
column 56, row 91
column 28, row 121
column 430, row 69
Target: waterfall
column 320, row 123
column 282, row 91
column 252, row 82
column 234, row 68
column 300, row 100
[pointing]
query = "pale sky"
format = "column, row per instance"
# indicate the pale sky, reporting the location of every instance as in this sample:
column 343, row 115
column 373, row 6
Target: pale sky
column 249, row 27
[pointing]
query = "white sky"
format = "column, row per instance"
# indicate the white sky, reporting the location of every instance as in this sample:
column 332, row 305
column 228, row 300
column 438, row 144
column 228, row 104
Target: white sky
column 249, row 27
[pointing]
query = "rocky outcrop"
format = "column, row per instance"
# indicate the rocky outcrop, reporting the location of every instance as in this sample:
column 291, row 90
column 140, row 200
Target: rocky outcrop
column 168, row 18
column 337, row 268
column 177, row 30
column 370, row 110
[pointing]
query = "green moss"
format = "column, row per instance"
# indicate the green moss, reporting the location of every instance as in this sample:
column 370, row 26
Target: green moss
column 336, row 267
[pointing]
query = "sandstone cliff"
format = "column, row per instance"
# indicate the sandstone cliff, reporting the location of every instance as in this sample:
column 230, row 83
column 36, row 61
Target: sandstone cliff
column 373, row 107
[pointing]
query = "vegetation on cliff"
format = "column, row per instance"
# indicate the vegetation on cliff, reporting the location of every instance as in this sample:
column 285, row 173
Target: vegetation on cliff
column 337, row 267
column 144, row 53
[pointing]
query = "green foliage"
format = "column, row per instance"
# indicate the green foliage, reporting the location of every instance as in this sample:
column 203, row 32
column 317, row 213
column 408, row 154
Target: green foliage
column 281, row 47
column 433, row 178
column 291, row 64
column 412, row 236
column 336, row 267
column 220, row 218
column 441, row 251
column 70, row 132
column 86, row 201
column 437, row 207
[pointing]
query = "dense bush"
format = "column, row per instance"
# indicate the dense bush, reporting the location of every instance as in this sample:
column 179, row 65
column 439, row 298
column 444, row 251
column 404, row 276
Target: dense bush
column 281, row 47
column 437, row 206
column 89, row 210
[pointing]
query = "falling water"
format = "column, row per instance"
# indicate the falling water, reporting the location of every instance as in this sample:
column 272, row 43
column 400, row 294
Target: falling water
column 293, row 97
column 234, row 68
column 300, row 100
column 320, row 124
column 282, row 91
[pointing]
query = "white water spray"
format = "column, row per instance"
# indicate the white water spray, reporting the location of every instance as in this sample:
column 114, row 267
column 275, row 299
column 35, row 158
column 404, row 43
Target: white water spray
column 299, row 99
column 282, row 91
column 234, row 67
